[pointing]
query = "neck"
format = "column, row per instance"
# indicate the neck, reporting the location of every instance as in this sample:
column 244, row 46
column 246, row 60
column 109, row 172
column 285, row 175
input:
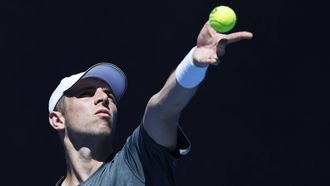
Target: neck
column 83, row 160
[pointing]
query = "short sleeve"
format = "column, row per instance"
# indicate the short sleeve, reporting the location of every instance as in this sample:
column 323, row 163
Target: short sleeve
column 150, row 161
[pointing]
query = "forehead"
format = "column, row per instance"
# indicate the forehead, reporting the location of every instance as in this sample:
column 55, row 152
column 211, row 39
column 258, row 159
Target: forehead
column 89, row 82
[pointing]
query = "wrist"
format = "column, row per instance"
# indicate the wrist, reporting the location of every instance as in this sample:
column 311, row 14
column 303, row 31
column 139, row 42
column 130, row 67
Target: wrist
column 189, row 73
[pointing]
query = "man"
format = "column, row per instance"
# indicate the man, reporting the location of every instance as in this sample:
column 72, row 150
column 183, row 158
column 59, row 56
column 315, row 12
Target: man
column 83, row 111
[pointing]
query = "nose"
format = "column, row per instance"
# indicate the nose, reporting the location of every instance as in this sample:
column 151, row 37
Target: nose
column 101, row 96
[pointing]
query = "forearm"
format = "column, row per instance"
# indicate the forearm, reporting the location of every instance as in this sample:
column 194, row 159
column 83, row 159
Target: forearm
column 179, row 88
column 163, row 109
column 171, row 99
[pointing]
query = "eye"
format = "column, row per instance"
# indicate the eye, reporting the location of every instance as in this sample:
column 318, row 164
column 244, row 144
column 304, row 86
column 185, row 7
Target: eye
column 110, row 95
column 86, row 93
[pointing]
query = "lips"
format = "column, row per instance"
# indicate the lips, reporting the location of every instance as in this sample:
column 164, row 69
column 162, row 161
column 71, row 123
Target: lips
column 103, row 112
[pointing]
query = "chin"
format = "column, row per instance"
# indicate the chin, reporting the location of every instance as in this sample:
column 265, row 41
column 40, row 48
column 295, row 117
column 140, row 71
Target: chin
column 105, row 131
column 103, row 128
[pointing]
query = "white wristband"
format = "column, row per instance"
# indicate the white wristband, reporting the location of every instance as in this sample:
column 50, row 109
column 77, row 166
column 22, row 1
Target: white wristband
column 188, row 74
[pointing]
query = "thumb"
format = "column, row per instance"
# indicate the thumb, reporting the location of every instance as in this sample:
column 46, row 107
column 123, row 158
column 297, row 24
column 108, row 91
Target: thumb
column 237, row 36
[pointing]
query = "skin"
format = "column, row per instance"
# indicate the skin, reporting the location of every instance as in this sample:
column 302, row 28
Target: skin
column 87, row 135
column 86, row 128
column 163, row 110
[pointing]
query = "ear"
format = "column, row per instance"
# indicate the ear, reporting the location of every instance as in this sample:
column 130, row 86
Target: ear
column 56, row 120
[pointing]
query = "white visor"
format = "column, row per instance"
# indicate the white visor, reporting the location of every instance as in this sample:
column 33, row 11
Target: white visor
column 107, row 72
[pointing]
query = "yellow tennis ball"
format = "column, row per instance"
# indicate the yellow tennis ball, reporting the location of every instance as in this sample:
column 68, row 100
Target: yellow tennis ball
column 222, row 19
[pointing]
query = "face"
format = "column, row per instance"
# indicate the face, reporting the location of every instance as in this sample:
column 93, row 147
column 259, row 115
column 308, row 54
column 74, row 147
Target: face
column 90, row 108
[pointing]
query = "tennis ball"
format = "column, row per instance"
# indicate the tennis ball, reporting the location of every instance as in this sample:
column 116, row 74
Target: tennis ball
column 222, row 19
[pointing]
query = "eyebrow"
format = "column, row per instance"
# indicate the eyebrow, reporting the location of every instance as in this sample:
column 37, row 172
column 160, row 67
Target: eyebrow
column 79, row 89
column 95, row 87
column 108, row 89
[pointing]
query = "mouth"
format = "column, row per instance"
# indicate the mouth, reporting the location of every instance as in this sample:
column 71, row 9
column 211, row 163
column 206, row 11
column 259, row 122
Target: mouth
column 103, row 112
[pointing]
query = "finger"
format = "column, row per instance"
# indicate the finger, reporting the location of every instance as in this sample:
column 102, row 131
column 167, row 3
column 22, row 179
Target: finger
column 213, row 61
column 216, row 63
column 237, row 36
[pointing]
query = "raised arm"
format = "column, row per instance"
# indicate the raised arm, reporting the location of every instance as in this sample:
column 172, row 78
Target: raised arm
column 163, row 109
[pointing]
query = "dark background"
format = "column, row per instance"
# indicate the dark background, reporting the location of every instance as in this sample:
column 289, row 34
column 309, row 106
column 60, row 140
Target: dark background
column 259, row 118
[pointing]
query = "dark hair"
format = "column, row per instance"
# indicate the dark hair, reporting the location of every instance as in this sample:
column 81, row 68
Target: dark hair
column 60, row 105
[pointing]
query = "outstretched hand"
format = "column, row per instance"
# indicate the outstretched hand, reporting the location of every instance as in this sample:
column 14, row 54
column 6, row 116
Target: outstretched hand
column 211, row 44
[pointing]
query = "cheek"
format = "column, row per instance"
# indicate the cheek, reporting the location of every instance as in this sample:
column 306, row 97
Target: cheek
column 77, row 119
column 114, row 111
column 78, row 105
column 76, row 112
column 113, row 108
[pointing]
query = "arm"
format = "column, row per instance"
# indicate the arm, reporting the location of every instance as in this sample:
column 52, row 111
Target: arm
column 162, row 113
column 163, row 110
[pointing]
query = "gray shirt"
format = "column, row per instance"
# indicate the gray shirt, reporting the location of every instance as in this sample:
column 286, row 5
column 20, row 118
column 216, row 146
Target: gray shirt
column 140, row 162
